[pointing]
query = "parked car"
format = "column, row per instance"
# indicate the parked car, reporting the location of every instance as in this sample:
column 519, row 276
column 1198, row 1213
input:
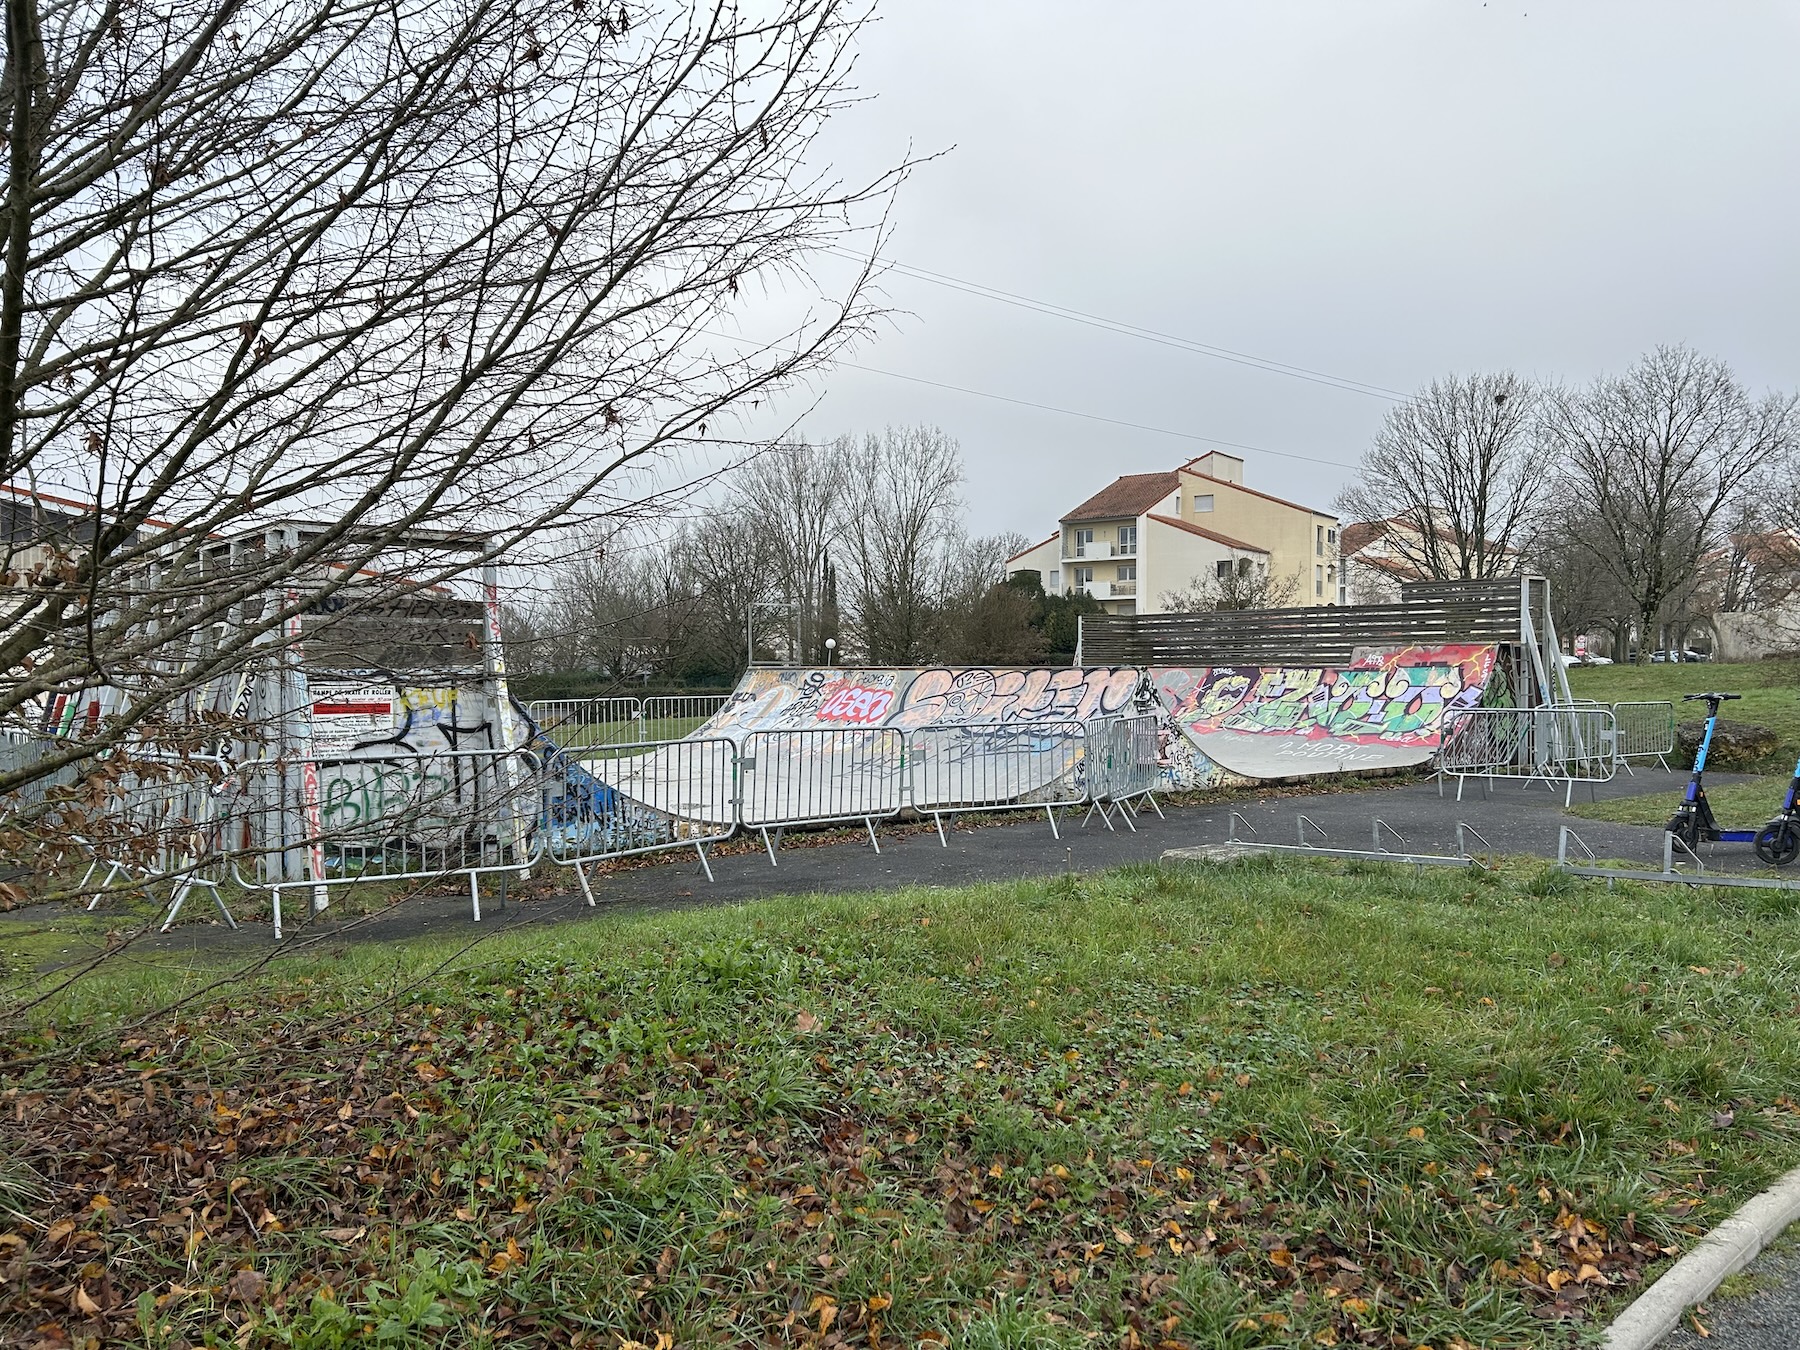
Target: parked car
column 1689, row 654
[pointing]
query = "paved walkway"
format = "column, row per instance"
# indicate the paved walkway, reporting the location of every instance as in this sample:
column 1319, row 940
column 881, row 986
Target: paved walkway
column 1511, row 818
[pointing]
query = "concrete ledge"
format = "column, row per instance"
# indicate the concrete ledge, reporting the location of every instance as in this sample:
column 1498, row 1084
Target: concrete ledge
column 1724, row 1251
column 1213, row 853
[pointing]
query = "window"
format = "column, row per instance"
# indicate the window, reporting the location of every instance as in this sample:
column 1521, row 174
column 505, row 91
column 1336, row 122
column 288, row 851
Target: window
column 1319, row 547
column 1202, row 502
column 1128, row 539
column 1177, row 503
column 1127, row 571
column 1318, row 581
column 1084, row 576
column 1082, row 539
column 1223, row 568
column 1331, row 536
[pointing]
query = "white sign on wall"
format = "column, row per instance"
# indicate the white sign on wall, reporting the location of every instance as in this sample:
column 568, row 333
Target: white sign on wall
column 345, row 715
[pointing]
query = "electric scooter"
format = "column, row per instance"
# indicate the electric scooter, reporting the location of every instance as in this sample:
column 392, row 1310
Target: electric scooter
column 1777, row 842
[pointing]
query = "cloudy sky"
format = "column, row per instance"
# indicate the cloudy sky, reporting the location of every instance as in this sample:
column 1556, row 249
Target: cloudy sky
column 1377, row 191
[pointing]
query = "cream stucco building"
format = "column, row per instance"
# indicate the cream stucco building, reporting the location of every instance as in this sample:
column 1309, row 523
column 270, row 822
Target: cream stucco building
column 1149, row 534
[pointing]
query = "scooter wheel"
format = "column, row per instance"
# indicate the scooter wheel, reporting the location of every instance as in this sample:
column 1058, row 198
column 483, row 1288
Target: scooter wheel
column 1684, row 828
column 1778, row 842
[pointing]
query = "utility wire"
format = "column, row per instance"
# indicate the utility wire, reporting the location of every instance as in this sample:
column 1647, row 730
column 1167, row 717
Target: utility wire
column 1095, row 417
column 1065, row 412
column 1124, row 329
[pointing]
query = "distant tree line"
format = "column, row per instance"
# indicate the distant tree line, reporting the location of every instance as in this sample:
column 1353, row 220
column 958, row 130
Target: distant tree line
column 1652, row 500
column 858, row 540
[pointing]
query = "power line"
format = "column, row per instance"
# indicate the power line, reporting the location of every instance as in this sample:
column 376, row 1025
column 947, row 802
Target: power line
column 1124, row 329
column 1095, row 417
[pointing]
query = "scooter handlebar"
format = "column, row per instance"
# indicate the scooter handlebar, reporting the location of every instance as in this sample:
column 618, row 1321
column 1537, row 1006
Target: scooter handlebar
column 1709, row 698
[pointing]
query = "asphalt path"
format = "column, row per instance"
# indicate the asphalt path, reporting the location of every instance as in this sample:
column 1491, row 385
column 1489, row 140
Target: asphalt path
column 1763, row 1315
column 1416, row 816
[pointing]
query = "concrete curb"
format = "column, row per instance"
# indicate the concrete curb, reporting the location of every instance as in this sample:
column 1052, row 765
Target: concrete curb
column 1724, row 1251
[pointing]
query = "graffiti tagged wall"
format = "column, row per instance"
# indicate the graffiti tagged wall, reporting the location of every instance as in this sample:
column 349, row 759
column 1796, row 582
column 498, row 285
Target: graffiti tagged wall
column 1383, row 711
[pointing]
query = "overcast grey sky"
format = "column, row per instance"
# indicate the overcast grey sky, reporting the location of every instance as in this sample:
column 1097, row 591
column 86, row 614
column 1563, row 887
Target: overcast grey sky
column 1384, row 190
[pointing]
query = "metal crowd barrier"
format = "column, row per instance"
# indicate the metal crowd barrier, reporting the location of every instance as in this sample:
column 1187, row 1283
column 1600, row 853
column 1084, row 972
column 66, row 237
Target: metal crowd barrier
column 663, row 708
column 388, row 817
column 1646, row 731
column 280, row 825
column 1556, row 743
column 1123, row 771
column 163, row 818
column 577, row 723
column 813, row 777
column 1014, row 766
column 618, row 801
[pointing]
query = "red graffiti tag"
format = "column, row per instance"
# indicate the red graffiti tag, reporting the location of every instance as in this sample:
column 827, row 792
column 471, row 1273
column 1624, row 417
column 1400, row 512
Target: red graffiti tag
column 854, row 703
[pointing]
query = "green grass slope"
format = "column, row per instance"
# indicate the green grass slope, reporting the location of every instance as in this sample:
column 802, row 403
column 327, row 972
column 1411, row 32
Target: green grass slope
column 1257, row 1105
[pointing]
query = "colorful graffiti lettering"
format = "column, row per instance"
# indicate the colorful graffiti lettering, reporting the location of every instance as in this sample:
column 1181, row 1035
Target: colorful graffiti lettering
column 977, row 695
column 855, row 703
column 1396, row 697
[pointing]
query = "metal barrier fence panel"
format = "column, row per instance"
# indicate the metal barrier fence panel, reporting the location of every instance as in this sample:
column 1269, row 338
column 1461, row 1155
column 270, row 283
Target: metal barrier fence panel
column 667, row 717
column 1566, row 743
column 798, row 777
column 1122, row 765
column 574, row 723
column 389, row 817
column 1576, row 741
column 999, row 767
column 617, row 801
column 1487, row 742
column 1646, row 730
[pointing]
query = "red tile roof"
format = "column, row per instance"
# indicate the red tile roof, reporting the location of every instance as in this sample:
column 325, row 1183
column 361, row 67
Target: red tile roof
column 1189, row 469
column 1127, row 497
column 1213, row 535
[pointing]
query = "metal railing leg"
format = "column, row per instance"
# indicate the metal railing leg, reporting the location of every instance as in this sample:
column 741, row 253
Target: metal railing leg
column 175, row 903
column 1050, row 814
column 1154, row 805
column 475, row 895
column 275, row 905
column 769, row 845
column 219, row 900
column 587, row 891
column 942, row 839
column 705, row 866
column 874, row 843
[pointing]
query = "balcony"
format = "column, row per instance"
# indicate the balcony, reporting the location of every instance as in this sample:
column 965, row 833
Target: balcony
column 1107, row 590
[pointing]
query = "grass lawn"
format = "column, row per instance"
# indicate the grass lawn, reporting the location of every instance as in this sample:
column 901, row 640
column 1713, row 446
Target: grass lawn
column 1736, row 806
column 1770, row 689
column 1267, row 1104
column 574, row 735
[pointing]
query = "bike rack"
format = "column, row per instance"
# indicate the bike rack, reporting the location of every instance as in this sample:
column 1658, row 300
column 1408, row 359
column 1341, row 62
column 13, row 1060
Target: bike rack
column 1379, row 829
column 1669, row 874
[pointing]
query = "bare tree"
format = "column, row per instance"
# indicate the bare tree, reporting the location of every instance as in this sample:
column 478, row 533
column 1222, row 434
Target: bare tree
column 1655, row 459
column 794, row 494
column 389, row 266
column 1243, row 585
column 1454, row 477
column 900, row 521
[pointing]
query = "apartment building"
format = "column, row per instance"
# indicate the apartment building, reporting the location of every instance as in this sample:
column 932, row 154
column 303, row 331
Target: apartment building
column 1380, row 556
column 1149, row 534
